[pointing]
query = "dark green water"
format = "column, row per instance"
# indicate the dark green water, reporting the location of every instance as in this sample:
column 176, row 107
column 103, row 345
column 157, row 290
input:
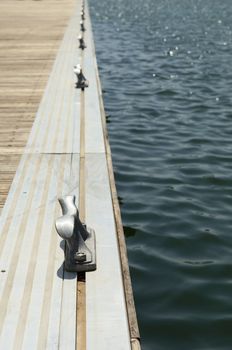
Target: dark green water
column 166, row 69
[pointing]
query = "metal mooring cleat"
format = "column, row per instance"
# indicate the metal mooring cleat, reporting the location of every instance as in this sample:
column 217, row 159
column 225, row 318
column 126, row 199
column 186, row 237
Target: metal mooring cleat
column 81, row 83
column 82, row 26
column 80, row 248
column 83, row 14
column 81, row 42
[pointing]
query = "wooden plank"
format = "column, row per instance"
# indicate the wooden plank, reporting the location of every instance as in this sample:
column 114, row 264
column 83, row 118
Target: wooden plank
column 94, row 134
column 107, row 324
column 9, row 230
column 68, row 315
column 55, row 122
column 29, row 304
column 39, row 317
column 38, row 297
column 67, row 330
column 132, row 317
column 38, row 307
column 29, row 40
column 122, row 281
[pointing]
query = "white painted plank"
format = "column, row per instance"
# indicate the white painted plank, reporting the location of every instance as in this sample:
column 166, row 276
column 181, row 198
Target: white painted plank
column 47, row 289
column 107, row 324
column 75, row 124
column 94, row 138
column 68, row 315
column 11, row 199
column 37, row 300
column 10, row 228
column 13, row 189
column 62, row 321
column 55, row 116
column 37, row 289
column 41, row 309
column 39, row 297
column 59, row 127
column 47, row 103
column 21, row 260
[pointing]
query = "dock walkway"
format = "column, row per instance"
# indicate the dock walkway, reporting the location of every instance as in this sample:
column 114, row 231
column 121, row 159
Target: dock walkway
column 67, row 153
column 30, row 35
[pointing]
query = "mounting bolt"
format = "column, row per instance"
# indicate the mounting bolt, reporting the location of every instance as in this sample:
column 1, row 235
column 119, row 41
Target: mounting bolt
column 80, row 257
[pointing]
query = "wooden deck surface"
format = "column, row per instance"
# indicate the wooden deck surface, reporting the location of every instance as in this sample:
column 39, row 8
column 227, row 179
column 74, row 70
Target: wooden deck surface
column 30, row 35
column 65, row 152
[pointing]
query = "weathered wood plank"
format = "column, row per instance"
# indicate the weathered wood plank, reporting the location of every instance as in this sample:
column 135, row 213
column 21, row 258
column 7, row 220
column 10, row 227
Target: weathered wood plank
column 33, row 287
column 67, row 330
column 132, row 317
column 30, row 35
column 38, row 307
column 38, row 299
column 107, row 324
column 94, row 138
column 52, row 131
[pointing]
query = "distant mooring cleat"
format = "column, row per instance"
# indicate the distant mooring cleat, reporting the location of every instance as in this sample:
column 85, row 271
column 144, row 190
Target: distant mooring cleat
column 81, row 42
column 82, row 14
column 81, row 83
column 82, row 26
column 80, row 249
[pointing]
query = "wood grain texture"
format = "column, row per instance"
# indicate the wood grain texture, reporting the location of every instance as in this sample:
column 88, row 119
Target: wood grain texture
column 132, row 317
column 94, row 134
column 67, row 152
column 30, row 35
column 37, row 297
column 106, row 315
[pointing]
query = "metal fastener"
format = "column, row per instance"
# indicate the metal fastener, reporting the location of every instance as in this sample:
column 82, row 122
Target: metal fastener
column 82, row 26
column 80, row 244
column 82, row 82
column 80, row 257
column 81, row 42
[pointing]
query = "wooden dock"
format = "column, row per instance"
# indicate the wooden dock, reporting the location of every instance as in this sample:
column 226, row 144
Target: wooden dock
column 30, row 35
column 58, row 143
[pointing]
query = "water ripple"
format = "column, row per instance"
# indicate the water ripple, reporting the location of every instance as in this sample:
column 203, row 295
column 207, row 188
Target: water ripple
column 165, row 68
